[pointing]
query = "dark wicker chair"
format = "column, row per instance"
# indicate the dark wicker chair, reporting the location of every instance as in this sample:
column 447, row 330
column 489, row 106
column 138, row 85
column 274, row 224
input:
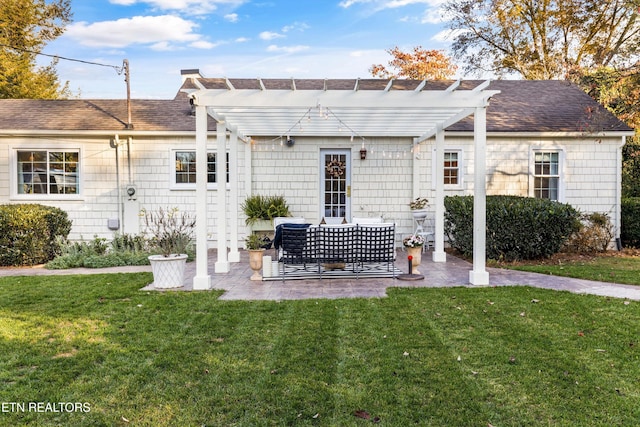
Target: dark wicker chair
column 337, row 247
column 299, row 246
column 376, row 245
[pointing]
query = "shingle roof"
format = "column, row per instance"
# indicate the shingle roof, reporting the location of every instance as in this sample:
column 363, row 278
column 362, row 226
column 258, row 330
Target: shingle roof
column 96, row 115
column 521, row 106
column 544, row 106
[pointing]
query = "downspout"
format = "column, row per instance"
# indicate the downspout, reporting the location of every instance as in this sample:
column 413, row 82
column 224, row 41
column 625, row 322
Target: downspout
column 129, row 141
column 618, row 220
column 114, row 143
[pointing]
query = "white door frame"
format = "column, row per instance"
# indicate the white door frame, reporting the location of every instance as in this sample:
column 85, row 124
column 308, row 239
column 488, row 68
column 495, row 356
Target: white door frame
column 340, row 202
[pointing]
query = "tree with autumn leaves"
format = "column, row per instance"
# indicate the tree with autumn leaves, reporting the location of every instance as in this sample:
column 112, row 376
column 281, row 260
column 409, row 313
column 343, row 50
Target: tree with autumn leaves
column 420, row 64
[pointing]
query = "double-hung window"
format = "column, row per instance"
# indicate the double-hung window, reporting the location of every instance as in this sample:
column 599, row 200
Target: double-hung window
column 453, row 168
column 546, row 175
column 184, row 169
column 47, row 172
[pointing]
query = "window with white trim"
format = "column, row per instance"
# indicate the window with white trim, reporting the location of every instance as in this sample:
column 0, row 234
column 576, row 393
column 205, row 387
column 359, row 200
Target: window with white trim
column 453, row 168
column 184, row 172
column 546, row 175
column 51, row 172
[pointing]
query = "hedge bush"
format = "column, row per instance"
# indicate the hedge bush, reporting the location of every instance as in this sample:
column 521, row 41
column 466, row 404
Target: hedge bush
column 630, row 231
column 518, row 228
column 29, row 233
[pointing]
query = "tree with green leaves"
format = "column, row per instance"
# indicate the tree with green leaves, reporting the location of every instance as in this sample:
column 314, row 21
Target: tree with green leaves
column 26, row 26
column 544, row 39
column 619, row 92
column 420, row 64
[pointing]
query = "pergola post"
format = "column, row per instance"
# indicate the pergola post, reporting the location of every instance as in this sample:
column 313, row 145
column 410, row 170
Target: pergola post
column 479, row 274
column 202, row 280
column 439, row 255
column 234, row 255
column 222, row 264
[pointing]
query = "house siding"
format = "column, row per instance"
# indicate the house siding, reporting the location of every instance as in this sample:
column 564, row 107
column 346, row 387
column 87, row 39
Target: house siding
column 381, row 185
column 98, row 201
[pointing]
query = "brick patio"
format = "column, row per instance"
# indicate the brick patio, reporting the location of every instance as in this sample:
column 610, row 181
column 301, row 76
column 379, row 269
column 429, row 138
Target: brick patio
column 455, row 272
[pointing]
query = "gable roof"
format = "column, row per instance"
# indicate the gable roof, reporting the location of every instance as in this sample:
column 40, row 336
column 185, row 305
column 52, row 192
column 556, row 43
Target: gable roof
column 95, row 115
column 521, row 106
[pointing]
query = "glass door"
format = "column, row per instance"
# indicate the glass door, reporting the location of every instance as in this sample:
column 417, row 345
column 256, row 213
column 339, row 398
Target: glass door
column 335, row 185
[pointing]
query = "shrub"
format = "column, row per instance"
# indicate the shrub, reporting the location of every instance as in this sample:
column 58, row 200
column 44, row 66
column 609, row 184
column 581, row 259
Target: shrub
column 31, row 233
column 630, row 231
column 518, row 228
column 124, row 249
column 129, row 243
column 595, row 235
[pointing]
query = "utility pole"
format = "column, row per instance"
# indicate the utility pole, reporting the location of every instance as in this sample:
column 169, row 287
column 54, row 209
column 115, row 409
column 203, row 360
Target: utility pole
column 127, row 79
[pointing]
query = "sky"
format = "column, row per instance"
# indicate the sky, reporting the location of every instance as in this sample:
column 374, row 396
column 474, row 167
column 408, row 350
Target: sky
column 234, row 39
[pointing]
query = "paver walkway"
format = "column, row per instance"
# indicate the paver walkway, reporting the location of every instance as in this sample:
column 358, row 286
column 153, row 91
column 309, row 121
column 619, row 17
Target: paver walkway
column 455, row 272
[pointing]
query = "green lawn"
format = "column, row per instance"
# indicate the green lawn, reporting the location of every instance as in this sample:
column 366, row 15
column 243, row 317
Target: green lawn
column 603, row 268
column 514, row 356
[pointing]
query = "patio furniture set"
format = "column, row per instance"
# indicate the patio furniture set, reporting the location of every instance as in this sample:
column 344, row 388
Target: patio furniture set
column 364, row 248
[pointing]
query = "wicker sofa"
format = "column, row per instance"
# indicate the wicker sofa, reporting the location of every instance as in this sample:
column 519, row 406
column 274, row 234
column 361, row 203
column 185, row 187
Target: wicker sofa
column 347, row 250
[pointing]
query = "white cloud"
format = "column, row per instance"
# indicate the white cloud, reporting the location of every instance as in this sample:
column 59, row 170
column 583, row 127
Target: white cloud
column 161, row 46
column 433, row 16
column 154, row 30
column 286, row 49
column 192, row 7
column 202, row 44
column 378, row 5
column 242, row 39
column 348, row 3
column 447, row 35
column 269, row 35
column 231, row 17
column 296, row 26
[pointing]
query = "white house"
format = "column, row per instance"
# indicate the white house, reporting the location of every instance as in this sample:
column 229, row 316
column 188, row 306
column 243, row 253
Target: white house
column 280, row 136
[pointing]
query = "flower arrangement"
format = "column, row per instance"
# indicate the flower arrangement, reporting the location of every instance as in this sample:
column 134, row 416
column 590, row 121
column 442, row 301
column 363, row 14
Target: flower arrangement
column 414, row 241
column 418, row 203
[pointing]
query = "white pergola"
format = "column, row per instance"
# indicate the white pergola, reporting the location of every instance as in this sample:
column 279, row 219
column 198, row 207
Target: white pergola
column 419, row 114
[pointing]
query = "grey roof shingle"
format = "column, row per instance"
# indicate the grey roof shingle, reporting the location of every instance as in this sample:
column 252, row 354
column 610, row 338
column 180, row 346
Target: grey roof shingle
column 521, row 106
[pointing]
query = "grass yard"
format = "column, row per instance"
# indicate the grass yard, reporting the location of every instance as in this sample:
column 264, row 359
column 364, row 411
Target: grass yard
column 514, row 356
column 604, row 268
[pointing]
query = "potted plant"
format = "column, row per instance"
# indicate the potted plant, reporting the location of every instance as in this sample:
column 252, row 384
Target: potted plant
column 413, row 244
column 171, row 233
column 260, row 211
column 253, row 243
column 418, row 207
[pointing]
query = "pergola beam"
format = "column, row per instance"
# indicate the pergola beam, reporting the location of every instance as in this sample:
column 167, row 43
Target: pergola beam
column 367, row 99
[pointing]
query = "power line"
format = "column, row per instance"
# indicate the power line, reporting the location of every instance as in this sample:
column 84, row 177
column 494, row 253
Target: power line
column 119, row 69
column 124, row 68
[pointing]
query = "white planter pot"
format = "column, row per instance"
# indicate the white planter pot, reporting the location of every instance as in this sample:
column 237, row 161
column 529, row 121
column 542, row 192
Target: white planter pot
column 419, row 213
column 168, row 272
column 262, row 225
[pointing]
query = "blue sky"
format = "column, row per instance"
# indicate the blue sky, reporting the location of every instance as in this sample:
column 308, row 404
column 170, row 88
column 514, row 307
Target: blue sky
column 235, row 38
